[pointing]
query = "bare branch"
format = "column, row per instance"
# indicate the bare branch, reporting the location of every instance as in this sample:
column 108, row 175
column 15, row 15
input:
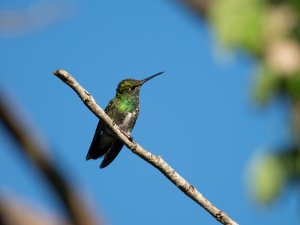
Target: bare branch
column 154, row 160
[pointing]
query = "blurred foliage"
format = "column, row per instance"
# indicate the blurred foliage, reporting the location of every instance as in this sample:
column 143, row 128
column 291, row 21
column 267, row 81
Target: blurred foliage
column 268, row 30
column 271, row 172
column 269, row 177
column 267, row 84
column 239, row 23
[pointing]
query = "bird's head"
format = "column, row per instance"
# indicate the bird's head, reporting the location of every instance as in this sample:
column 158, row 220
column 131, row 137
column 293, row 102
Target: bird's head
column 131, row 86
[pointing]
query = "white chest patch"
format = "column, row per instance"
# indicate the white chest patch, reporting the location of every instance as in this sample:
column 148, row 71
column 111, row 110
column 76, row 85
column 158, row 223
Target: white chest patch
column 126, row 121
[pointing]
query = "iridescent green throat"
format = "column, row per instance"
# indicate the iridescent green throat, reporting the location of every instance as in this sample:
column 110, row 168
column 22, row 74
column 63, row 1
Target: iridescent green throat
column 127, row 103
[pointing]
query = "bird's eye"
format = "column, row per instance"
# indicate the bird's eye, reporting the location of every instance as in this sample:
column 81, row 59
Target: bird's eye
column 132, row 88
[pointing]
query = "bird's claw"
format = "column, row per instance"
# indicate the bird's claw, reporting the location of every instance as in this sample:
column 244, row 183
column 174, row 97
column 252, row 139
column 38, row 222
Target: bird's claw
column 129, row 137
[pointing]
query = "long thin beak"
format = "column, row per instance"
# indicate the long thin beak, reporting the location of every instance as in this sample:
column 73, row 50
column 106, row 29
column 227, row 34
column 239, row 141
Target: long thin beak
column 149, row 78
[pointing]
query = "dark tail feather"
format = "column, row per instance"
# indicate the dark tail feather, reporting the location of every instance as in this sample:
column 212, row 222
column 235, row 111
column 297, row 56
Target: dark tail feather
column 112, row 154
column 95, row 152
column 89, row 156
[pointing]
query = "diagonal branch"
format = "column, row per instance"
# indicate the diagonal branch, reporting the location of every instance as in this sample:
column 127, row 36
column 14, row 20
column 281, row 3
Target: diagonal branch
column 154, row 160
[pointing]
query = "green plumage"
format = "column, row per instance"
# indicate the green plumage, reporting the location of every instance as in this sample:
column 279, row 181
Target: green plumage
column 124, row 111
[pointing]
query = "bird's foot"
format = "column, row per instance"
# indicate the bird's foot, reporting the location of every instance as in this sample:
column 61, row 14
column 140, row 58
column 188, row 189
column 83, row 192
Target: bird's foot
column 130, row 138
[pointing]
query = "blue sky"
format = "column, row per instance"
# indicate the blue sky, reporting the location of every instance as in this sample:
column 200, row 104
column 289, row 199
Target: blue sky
column 198, row 116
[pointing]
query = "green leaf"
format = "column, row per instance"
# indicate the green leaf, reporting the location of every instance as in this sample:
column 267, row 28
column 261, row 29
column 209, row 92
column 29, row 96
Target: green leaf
column 267, row 85
column 238, row 24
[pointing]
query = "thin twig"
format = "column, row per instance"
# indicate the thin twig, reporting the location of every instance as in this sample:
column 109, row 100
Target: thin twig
column 154, row 160
column 30, row 146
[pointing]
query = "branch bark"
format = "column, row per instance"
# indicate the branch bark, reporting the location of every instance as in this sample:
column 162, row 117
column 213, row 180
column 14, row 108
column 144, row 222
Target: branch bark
column 154, row 160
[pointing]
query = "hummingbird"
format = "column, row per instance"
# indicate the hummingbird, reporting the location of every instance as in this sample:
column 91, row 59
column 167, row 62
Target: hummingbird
column 123, row 109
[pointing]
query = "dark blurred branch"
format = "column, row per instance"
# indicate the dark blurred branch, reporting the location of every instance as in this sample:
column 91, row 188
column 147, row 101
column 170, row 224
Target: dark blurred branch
column 31, row 148
column 201, row 7
column 154, row 160
column 18, row 212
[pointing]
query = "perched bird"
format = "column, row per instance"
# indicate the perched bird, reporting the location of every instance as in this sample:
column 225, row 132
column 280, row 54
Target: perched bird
column 123, row 110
